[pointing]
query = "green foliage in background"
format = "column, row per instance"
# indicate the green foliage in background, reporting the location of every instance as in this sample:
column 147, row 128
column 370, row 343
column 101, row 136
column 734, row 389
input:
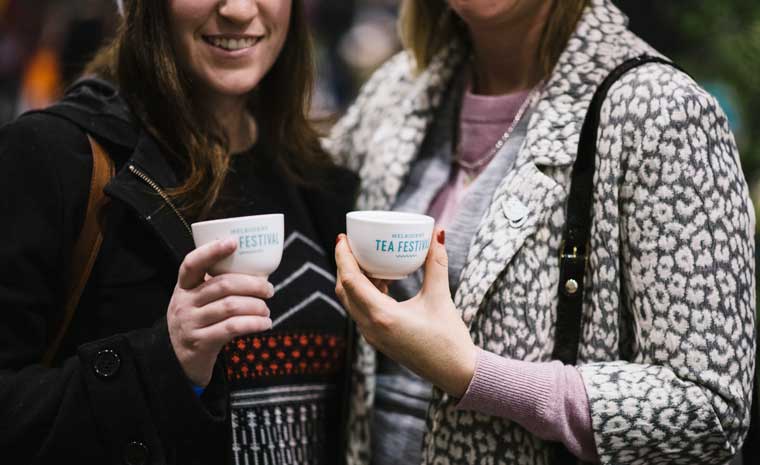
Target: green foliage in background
column 721, row 44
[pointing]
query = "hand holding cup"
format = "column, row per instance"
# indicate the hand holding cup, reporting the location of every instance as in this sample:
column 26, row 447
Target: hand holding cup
column 204, row 314
column 205, row 311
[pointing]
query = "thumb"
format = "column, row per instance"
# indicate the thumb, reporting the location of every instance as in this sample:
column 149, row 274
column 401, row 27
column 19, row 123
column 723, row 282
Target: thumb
column 437, row 265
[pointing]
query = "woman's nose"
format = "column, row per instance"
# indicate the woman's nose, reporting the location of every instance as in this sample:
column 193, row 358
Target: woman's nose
column 239, row 11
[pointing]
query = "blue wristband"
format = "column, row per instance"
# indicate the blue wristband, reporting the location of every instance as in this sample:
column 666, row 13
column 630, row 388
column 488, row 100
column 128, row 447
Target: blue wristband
column 198, row 390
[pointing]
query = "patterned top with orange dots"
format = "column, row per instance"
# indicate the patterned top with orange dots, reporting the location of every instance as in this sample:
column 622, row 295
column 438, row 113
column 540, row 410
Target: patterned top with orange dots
column 286, row 383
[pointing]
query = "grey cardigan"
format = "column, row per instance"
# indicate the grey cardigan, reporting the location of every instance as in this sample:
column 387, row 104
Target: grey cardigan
column 669, row 316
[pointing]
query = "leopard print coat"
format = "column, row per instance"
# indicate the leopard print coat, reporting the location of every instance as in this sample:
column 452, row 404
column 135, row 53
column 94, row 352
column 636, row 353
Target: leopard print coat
column 669, row 313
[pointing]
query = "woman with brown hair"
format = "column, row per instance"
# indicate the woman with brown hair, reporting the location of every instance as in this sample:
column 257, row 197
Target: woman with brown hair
column 201, row 106
column 478, row 123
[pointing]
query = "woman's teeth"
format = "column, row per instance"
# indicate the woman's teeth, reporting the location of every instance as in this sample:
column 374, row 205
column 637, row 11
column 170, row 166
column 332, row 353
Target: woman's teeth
column 231, row 44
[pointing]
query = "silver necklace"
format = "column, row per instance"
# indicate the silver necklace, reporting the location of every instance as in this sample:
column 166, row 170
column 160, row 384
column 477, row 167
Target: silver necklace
column 470, row 168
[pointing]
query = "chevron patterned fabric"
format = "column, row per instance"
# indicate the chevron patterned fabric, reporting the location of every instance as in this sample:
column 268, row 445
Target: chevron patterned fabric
column 285, row 382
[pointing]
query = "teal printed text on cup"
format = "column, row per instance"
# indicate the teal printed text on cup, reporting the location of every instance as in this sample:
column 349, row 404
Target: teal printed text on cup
column 255, row 239
column 403, row 245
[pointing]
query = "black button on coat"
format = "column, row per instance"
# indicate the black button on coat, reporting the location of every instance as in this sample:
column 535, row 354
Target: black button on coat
column 107, row 363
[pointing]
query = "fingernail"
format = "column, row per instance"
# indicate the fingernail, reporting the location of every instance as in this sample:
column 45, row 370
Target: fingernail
column 441, row 237
column 229, row 243
column 271, row 290
column 337, row 239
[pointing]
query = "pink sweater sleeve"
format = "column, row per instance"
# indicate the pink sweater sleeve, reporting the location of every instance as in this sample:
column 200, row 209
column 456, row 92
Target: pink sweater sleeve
column 547, row 399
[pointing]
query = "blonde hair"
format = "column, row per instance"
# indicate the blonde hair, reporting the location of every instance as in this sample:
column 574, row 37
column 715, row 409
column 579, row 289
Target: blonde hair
column 426, row 26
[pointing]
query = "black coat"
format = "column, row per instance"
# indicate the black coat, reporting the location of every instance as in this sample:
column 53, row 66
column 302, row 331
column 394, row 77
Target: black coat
column 116, row 393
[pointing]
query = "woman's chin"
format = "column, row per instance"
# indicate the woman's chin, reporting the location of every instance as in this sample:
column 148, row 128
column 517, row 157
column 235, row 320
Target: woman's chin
column 232, row 88
column 229, row 82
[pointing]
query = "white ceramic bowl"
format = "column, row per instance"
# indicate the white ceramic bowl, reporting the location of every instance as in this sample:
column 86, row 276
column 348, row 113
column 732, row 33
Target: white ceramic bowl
column 389, row 245
column 260, row 240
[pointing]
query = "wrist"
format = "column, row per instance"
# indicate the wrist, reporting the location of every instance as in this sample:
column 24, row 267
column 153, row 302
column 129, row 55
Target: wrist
column 464, row 374
column 198, row 375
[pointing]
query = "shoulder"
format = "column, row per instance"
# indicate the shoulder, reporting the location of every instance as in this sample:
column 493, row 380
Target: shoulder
column 387, row 85
column 670, row 130
column 662, row 96
column 42, row 139
column 390, row 80
column 652, row 92
column 97, row 106
column 662, row 115
column 45, row 163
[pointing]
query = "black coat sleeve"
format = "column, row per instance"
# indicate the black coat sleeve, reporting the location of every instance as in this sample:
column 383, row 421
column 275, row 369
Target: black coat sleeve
column 73, row 412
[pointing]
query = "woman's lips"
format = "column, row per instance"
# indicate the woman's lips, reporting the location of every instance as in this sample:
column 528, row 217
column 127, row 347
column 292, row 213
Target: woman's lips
column 231, row 43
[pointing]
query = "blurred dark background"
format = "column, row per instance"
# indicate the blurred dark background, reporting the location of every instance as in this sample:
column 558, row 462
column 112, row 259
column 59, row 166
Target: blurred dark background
column 45, row 43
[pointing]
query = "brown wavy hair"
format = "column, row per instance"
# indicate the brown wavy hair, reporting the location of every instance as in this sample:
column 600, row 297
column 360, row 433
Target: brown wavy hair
column 426, row 26
column 141, row 61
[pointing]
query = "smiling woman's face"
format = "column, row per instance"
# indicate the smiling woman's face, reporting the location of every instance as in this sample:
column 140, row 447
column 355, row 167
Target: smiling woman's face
column 228, row 46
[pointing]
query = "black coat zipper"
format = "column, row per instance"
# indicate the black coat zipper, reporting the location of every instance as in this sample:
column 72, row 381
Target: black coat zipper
column 145, row 178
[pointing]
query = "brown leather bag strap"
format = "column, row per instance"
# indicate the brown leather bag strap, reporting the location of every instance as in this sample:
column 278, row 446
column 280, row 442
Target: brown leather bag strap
column 88, row 243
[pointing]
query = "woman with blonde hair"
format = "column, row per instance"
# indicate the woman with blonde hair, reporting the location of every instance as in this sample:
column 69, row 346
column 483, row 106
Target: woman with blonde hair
column 478, row 123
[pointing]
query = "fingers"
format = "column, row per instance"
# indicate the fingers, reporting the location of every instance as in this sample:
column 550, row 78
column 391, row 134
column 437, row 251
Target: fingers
column 352, row 285
column 344, row 258
column 226, row 330
column 197, row 263
column 227, row 285
column 229, row 307
column 437, row 265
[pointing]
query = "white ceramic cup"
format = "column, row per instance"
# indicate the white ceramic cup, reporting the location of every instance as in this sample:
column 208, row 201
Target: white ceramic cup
column 260, row 240
column 389, row 245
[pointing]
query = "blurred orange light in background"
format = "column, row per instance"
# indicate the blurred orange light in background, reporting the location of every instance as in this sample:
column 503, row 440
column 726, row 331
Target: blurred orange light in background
column 41, row 84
